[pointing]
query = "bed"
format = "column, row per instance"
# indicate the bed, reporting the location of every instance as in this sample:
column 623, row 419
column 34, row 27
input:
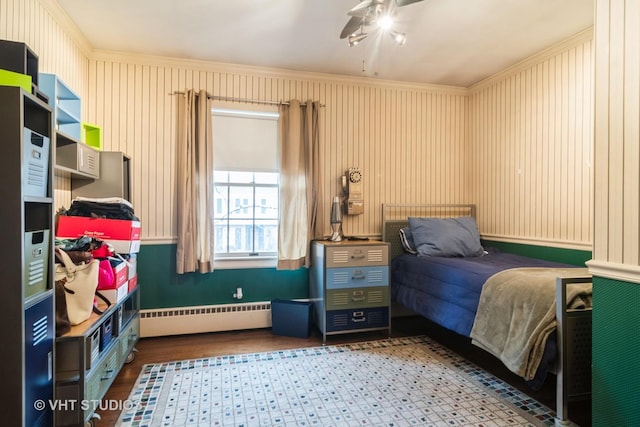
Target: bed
column 477, row 292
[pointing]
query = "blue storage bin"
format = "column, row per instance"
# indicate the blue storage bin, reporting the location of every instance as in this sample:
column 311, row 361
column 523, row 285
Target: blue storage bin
column 106, row 333
column 291, row 318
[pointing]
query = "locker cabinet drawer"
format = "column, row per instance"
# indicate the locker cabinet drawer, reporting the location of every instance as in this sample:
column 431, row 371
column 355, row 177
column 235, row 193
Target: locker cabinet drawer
column 77, row 156
column 103, row 374
column 366, row 318
column 69, row 415
column 365, row 255
column 128, row 338
column 357, row 298
column 356, row 277
column 88, row 160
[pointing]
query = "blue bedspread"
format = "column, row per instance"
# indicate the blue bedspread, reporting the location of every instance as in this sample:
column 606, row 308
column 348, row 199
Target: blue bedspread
column 447, row 290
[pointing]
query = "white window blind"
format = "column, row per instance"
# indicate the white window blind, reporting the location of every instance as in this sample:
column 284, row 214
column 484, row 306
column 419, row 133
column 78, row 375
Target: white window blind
column 245, row 140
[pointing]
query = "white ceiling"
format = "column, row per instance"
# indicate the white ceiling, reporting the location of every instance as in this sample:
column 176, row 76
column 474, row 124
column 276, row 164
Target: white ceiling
column 449, row 42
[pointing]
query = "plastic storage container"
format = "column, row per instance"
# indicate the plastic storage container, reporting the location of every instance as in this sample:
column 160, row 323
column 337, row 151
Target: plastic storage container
column 291, row 318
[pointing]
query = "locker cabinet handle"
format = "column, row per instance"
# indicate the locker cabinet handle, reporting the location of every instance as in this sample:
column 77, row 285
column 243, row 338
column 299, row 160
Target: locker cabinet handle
column 358, row 275
column 109, row 374
column 354, row 320
column 359, row 256
column 358, row 296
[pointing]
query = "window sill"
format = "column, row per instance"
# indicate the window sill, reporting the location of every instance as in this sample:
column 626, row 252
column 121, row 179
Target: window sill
column 243, row 263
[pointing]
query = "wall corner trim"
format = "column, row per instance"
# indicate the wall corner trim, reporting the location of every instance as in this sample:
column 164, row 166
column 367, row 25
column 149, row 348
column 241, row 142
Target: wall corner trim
column 615, row 271
column 581, row 37
column 70, row 28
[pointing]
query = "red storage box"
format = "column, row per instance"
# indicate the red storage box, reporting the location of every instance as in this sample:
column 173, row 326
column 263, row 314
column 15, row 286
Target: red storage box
column 133, row 282
column 122, row 235
column 120, row 274
column 117, row 294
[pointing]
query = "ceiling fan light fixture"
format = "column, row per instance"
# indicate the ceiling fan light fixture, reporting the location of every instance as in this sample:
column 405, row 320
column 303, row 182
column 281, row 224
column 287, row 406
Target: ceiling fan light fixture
column 399, row 38
column 354, row 39
column 385, row 22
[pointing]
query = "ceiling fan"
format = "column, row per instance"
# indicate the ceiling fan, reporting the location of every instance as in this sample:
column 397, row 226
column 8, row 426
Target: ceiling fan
column 376, row 14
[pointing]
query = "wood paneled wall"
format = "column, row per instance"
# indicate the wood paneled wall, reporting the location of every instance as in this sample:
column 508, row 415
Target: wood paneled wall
column 61, row 50
column 44, row 27
column 530, row 148
column 617, row 141
column 519, row 145
column 408, row 140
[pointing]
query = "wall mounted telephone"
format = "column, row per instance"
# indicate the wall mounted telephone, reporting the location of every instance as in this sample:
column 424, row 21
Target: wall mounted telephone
column 353, row 192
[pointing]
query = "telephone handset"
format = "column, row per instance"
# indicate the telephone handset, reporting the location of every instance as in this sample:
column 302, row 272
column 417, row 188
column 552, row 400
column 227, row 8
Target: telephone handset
column 353, row 192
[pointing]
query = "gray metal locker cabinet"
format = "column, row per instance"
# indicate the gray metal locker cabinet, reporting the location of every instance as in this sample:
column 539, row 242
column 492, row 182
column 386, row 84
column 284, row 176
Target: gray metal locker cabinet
column 26, row 227
column 114, row 181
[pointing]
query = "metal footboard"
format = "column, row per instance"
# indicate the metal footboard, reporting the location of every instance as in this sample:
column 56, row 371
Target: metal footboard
column 574, row 351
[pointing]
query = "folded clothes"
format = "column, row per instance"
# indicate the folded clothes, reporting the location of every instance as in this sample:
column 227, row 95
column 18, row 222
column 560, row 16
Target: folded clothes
column 82, row 243
column 92, row 209
column 116, row 200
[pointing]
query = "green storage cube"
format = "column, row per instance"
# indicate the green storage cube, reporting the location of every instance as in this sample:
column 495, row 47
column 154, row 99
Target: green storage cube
column 9, row 78
column 92, row 135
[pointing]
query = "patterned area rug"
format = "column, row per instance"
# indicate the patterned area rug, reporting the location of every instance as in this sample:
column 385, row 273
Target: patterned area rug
column 394, row 382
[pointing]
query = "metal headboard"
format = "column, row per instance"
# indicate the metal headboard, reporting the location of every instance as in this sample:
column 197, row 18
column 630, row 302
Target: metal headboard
column 395, row 217
column 391, row 234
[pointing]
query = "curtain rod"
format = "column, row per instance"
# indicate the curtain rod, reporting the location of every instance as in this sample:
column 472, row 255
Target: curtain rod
column 250, row 101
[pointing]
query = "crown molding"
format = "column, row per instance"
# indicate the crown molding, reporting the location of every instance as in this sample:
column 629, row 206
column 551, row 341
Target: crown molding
column 221, row 67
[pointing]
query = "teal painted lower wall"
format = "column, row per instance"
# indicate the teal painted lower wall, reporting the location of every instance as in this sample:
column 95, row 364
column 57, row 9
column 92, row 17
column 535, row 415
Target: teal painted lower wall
column 162, row 287
column 616, row 353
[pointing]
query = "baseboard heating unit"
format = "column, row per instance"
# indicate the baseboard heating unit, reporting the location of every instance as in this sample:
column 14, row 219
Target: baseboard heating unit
column 209, row 318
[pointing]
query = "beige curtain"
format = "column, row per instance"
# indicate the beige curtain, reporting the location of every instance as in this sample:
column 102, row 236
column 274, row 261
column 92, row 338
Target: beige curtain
column 300, row 178
column 195, row 185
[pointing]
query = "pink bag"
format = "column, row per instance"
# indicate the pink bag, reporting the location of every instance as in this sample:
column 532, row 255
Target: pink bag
column 106, row 278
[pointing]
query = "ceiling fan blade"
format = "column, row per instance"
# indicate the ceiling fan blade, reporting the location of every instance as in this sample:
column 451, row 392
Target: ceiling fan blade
column 401, row 3
column 351, row 27
column 361, row 8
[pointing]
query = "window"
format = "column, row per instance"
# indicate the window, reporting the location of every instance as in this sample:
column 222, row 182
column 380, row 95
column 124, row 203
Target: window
column 246, row 184
column 246, row 214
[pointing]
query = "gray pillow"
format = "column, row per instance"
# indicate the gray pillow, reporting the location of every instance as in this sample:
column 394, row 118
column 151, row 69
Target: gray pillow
column 407, row 240
column 448, row 237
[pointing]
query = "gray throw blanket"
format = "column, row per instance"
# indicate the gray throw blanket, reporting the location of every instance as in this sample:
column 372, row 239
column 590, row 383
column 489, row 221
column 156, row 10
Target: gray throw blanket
column 516, row 314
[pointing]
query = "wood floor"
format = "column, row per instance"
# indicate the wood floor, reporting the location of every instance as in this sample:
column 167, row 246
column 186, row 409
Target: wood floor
column 165, row 349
